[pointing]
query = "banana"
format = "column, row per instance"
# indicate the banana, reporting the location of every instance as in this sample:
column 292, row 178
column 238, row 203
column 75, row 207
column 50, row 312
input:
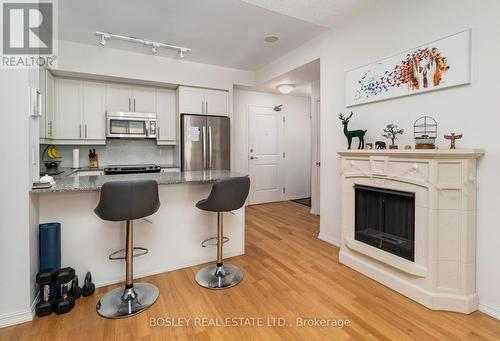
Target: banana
column 53, row 153
column 49, row 153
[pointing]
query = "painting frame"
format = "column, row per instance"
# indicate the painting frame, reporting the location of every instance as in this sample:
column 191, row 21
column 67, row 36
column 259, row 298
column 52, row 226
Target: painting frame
column 383, row 79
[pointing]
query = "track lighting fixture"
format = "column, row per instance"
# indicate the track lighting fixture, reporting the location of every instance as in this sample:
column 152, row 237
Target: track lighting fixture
column 155, row 46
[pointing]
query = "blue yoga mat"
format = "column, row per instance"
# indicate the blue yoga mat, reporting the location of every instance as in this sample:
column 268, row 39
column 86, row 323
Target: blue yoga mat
column 50, row 250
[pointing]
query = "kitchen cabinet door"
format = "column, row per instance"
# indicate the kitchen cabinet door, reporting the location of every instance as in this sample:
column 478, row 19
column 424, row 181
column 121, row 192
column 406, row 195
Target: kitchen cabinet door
column 118, row 97
column 69, row 109
column 94, row 110
column 143, row 99
column 166, row 115
column 191, row 100
column 216, row 102
column 49, row 105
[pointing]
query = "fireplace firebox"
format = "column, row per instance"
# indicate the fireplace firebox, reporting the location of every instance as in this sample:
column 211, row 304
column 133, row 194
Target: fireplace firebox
column 385, row 219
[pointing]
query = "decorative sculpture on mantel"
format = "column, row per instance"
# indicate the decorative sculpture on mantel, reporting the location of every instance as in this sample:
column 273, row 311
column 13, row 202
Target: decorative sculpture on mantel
column 453, row 137
column 349, row 134
column 391, row 132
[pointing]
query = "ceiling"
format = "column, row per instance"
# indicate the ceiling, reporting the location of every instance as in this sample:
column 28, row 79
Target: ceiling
column 228, row 33
column 320, row 12
column 301, row 77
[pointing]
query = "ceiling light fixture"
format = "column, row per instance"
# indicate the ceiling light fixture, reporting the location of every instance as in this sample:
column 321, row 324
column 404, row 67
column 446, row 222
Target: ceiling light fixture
column 103, row 39
column 155, row 46
column 285, row 88
column 271, row 39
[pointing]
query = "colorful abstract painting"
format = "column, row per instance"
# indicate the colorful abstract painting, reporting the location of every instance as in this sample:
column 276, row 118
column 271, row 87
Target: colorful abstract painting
column 436, row 65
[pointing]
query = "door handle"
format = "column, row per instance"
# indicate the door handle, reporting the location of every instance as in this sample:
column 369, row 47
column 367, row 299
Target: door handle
column 209, row 147
column 253, row 157
column 204, row 139
column 318, row 163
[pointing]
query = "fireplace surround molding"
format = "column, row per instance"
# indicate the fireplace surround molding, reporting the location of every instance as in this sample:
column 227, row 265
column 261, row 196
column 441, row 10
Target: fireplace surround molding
column 442, row 275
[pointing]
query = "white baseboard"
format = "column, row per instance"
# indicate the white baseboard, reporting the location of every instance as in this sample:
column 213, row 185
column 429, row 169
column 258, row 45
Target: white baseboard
column 21, row 316
column 17, row 317
column 489, row 310
column 329, row 239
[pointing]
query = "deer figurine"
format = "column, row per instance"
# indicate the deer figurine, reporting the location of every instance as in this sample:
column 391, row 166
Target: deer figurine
column 360, row 134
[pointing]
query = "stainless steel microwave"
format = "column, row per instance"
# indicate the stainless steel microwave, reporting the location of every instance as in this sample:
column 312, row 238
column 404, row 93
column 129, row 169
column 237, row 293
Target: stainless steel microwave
column 121, row 124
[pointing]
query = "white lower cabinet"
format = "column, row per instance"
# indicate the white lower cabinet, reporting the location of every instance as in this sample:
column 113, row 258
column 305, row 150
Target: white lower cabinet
column 167, row 116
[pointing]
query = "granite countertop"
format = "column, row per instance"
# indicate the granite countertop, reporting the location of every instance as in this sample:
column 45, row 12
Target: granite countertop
column 68, row 183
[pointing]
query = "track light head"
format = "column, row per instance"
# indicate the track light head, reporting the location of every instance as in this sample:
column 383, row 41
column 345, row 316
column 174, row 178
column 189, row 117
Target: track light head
column 155, row 49
column 104, row 38
column 181, row 53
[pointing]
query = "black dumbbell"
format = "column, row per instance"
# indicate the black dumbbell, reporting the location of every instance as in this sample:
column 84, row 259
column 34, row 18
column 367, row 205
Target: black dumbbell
column 46, row 305
column 66, row 302
column 88, row 287
column 75, row 290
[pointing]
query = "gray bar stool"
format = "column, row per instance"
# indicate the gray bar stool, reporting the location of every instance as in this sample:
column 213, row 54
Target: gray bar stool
column 126, row 201
column 225, row 196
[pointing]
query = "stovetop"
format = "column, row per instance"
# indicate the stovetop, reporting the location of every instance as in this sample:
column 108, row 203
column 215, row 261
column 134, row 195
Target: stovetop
column 132, row 169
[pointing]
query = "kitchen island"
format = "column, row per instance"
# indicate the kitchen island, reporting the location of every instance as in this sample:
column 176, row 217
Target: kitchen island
column 173, row 235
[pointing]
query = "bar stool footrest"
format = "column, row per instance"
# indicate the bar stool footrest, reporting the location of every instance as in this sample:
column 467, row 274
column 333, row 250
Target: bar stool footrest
column 209, row 242
column 141, row 252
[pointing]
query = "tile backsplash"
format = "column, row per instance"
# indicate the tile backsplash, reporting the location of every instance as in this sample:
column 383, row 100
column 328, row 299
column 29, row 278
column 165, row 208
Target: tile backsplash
column 119, row 152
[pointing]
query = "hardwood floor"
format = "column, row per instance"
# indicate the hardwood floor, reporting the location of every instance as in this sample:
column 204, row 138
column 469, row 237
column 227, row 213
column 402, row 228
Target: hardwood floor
column 289, row 274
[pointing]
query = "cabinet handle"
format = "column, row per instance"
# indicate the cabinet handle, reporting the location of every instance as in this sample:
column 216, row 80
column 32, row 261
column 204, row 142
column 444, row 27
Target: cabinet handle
column 158, row 133
column 134, row 104
column 202, row 107
column 85, row 130
column 206, row 107
column 129, row 105
column 50, row 128
column 80, row 131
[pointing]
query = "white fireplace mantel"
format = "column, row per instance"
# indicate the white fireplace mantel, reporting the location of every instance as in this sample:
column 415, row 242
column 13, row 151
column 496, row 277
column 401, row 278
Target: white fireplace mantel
column 442, row 276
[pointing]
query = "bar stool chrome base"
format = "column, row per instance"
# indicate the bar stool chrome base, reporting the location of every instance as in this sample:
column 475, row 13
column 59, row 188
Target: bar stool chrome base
column 219, row 277
column 122, row 302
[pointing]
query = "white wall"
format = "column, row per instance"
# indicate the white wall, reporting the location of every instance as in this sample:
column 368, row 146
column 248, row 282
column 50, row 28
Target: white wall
column 391, row 28
column 18, row 216
column 297, row 137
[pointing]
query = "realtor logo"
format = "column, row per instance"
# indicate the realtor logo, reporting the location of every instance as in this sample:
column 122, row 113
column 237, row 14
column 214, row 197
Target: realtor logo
column 28, row 34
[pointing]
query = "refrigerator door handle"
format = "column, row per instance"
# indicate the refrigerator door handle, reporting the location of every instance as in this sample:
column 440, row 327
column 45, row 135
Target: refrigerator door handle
column 204, row 139
column 209, row 147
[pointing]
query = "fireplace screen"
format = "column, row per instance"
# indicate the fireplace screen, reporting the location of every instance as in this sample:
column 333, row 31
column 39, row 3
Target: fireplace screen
column 385, row 219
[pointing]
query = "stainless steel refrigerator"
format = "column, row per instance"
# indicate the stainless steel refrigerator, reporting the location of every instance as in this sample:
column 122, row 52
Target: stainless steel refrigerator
column 205, row 143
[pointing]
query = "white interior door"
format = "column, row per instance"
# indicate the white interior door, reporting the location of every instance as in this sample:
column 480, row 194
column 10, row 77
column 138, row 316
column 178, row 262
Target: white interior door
column 315, row 150
column 265, row 154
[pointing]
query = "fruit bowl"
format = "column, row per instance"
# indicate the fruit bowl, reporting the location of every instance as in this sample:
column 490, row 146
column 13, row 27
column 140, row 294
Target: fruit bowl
column 53, row 164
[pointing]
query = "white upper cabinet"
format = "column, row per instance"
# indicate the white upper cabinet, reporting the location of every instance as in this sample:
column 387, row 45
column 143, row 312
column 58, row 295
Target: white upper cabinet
column 203, row 101
column 47, row 90
column 50, row 105
column 118, row 97
column 94, row 110
column 122, row 97
column 69, row 109
column 191, row 100
column 143, row 99
column 216, row 102
column 167, row 116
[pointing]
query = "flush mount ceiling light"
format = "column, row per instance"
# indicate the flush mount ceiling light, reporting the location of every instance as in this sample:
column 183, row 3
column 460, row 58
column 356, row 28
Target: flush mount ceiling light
column 155, row 46
column 271, row 39
column 285, row 88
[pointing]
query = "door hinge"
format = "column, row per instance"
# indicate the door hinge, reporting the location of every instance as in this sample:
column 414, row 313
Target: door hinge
column 284, row 191
column 283, row 119
column 284, row 155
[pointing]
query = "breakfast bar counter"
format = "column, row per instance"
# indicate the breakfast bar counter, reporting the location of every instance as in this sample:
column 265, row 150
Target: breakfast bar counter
column 70, row 181
column 173, row 235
